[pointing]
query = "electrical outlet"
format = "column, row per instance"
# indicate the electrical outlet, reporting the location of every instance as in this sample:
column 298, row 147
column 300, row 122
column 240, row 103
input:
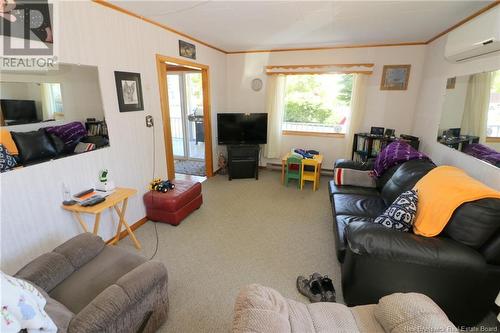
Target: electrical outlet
column 149, row 121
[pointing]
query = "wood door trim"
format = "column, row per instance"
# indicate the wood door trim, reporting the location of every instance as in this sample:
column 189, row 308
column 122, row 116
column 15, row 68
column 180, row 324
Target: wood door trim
column 161, row 68
column 207, row 121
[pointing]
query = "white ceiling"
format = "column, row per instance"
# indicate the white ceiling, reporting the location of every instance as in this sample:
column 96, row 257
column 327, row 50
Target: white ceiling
column 254, row 25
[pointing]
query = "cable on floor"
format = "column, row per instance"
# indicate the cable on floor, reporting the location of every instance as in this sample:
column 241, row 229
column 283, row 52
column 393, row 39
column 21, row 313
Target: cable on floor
column 152, row 197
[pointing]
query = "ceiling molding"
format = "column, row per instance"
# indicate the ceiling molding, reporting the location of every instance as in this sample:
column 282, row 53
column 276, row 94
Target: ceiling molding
column 360, row 46
column 465, row 20
column 107, row 4
column 128, row 12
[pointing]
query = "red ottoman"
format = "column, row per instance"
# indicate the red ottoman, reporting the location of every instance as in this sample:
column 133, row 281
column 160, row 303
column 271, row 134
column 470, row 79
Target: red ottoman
column 173, row 207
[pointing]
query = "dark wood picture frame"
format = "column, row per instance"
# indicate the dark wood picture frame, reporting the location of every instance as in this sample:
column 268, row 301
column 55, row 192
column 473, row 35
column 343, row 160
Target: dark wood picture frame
column 130, row 99
column 187, row 50
column 388, row 71
column 450, row 83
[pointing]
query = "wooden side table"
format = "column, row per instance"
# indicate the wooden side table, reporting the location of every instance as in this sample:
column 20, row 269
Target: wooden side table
column 119, row 195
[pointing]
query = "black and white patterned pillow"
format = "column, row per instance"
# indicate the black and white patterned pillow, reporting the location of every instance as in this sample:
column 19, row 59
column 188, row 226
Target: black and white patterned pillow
column 7, row 161
column 401, row 214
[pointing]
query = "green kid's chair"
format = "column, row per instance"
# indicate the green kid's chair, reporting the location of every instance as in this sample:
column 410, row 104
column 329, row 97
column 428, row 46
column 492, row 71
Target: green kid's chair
column 293, row 170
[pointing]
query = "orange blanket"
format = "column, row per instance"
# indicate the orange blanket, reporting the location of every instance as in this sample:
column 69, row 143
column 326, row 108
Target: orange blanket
column 442, row 191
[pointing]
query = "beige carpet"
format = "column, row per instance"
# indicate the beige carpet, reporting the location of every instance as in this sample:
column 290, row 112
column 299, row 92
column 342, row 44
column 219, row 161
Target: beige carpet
column 246, row 231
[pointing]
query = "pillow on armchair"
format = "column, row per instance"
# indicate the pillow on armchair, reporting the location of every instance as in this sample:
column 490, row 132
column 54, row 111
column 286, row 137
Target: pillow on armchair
column 7, row 161
column 23, row 307
column 34, row 146
column 7, row 141
column 353, row 177
column 401, row 213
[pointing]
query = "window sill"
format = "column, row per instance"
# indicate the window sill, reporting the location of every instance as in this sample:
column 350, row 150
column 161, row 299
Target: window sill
column 493, row 139
column 302, row 133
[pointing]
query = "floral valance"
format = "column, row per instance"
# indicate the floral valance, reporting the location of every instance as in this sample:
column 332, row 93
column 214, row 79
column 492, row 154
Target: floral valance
column 319, row 69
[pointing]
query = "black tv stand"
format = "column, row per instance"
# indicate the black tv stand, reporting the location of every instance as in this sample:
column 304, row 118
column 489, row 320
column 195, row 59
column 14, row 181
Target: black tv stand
column 243, row 161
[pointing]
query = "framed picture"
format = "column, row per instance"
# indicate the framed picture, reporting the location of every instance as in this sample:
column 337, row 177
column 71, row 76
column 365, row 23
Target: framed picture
column 129, row 91
column 450, row 83
column 395, row 77
column 187, row 50
column 377, row 130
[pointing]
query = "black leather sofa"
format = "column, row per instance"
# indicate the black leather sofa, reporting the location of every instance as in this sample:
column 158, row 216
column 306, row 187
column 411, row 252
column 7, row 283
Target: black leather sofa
column 459, row 269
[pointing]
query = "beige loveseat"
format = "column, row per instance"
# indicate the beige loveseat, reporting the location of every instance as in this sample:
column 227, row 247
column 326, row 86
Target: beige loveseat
column 260, row 309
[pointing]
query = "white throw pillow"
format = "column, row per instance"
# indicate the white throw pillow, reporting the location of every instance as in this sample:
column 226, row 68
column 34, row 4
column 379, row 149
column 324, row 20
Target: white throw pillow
column 22, row 307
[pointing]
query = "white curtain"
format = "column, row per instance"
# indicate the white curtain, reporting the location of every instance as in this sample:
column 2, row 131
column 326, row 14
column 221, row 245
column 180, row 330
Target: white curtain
column 477, row 101
column 358, row 105
column 47, row 104
column 275, row 105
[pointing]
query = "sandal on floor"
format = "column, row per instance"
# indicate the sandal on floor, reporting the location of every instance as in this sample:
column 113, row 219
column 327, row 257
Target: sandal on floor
column 328, row 291
column 310, row 288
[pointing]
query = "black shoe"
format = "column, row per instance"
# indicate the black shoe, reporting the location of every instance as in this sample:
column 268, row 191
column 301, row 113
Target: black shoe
column 311, row 288
column 328, row 291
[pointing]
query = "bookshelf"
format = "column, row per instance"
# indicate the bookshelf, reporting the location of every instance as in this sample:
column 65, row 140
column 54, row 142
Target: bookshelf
column 95, row 128
column 367, row 146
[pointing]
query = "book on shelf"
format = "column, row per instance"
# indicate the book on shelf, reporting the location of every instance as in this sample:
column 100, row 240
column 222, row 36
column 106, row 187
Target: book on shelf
column 96, row 128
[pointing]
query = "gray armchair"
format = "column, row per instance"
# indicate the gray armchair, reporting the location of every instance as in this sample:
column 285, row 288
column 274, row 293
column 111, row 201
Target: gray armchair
column 92, row 287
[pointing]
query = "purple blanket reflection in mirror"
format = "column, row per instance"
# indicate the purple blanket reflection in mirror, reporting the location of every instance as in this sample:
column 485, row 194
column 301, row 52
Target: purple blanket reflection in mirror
column 484, row 153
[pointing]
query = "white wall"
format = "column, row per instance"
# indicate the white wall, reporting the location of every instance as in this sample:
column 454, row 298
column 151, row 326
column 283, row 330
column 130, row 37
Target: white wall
column 391, row 109
column 31, row 218
column 454, row 105
column 430, row 104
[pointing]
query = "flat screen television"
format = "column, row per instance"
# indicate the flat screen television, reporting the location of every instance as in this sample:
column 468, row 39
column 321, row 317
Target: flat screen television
column 18, row 111
column 241, row 128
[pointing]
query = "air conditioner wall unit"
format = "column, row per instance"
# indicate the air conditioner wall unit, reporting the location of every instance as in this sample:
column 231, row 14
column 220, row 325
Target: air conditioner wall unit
column 478, row 37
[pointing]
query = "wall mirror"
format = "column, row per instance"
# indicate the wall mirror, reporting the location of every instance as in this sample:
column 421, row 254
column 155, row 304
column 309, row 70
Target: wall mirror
column 470, row 119
column 50, row 114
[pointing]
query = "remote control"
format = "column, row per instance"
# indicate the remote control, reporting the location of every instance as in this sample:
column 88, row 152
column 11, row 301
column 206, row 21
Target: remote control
column 92, row 201
column 81, row 194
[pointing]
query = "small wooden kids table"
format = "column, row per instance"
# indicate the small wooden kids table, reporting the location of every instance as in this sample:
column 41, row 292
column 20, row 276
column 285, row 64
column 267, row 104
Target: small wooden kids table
column 317, row 158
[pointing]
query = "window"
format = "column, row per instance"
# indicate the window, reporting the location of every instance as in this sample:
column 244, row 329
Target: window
column 52, row 103
column 493, row 126
column 317, row 103
column 55, row 90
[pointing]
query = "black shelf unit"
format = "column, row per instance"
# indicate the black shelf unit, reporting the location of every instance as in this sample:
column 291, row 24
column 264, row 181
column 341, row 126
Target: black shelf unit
column 460, row 142
column 366, row 146
column 96, row 128
column 243, row 161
